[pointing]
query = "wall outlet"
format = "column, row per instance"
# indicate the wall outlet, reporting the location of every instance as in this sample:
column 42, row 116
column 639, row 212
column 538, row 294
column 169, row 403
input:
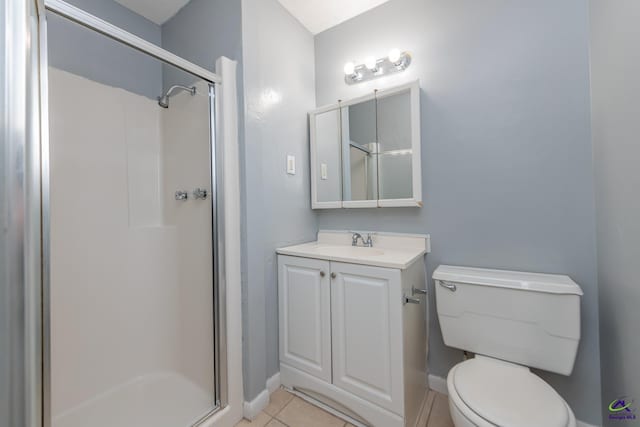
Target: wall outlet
column 291, row 165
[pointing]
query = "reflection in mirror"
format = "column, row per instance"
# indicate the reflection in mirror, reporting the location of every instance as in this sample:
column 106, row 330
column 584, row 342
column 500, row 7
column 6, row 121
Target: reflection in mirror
column 394, row 146
column 328, row 160
column 365, row 152
column 359, row 149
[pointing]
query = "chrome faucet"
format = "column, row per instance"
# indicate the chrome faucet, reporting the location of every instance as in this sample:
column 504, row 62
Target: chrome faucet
column 367, row 243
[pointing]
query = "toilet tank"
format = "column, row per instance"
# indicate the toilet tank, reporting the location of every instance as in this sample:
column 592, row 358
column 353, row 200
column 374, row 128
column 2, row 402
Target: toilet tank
column 531, row 319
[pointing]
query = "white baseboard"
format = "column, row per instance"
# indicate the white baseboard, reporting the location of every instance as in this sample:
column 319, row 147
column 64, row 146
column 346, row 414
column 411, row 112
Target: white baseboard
column 273, row 383
column 250, row 410
column 439, row 385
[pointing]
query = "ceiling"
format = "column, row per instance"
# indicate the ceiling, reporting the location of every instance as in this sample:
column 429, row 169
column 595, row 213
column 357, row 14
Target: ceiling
column 315, row 15
column 320, row 15
column 158, row 11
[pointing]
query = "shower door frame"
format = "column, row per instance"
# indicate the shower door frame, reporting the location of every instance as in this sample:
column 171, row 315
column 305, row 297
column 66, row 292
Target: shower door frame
column 96, row 24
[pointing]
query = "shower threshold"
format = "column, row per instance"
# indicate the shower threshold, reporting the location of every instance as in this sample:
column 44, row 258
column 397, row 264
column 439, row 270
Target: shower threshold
column 165, row 399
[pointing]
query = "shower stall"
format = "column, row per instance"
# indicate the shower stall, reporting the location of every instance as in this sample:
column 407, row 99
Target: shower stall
column 124, row 315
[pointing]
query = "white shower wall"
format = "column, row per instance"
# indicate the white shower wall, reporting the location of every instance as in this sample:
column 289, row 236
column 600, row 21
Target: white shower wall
column 131, row 268
column 186, row 151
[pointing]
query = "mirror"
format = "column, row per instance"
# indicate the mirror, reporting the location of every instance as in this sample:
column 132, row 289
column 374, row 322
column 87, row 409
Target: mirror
column 394, row 146
column 365, row 152
column 360, row 169
column 327, row 163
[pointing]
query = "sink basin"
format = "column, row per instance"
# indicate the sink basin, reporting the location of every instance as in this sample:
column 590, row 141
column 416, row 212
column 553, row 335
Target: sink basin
column 348, row 251
column 390, row 250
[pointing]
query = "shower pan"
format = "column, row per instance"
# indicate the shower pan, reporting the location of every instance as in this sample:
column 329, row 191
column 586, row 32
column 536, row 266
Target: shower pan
column 126, row 299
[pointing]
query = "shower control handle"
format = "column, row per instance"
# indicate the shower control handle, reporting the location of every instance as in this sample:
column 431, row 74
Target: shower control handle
column 200, row 193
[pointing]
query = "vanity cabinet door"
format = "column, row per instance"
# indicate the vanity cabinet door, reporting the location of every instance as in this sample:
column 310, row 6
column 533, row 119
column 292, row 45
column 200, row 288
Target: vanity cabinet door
column 305, row 315
column 366, row 310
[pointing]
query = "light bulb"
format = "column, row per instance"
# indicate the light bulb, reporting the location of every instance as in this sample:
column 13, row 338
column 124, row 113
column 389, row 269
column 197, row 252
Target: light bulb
column 371, row 63
column 394, row 56
column 349, row 68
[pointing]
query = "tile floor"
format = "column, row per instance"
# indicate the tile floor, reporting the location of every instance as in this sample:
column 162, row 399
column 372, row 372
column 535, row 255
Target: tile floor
column 287, row 410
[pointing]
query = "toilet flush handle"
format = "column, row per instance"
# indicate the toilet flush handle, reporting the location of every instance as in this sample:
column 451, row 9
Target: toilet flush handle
column 452, row 287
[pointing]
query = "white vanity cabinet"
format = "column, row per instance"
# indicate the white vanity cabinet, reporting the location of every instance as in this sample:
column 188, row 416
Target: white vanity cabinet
column 305, row 315
column 366, row 320
column 350, row 340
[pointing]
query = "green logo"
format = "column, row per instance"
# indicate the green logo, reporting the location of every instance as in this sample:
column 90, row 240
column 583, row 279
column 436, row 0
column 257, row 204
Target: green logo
column 621, row 409
column 619, row 405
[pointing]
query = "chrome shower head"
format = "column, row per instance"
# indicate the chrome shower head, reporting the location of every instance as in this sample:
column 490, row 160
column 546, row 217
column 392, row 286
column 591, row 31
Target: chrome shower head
column 163, row 100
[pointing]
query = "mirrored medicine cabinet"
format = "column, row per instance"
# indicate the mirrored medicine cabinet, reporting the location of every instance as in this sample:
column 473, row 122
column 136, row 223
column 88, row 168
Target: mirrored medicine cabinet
column 365, row 152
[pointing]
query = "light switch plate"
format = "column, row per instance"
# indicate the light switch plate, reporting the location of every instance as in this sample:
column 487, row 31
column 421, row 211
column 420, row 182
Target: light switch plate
column 291, row 165
column 323, row 171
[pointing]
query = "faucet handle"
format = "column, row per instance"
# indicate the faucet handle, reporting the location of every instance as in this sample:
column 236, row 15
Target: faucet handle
column 200, row 193
column 369, row 241
column 354, row 238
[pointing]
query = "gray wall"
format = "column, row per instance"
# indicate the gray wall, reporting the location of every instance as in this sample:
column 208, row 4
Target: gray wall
column 507, row 166
column 279, row 91
column 201, row 32
column 85, row 53
column 615, row 67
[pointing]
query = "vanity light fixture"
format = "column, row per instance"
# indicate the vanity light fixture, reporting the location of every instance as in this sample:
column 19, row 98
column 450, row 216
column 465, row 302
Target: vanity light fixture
column 372, row 64
column 394, row 56
column 349, row 68
column 351, row 73
column 396, row 61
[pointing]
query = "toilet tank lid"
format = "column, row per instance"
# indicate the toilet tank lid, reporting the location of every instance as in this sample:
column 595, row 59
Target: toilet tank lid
column 534, row 282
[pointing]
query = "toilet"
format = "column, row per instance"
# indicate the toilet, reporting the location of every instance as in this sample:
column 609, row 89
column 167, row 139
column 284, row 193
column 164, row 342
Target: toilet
column 511, row 321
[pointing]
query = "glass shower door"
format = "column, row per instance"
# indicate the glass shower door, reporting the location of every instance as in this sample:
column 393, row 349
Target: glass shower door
column 132, row 272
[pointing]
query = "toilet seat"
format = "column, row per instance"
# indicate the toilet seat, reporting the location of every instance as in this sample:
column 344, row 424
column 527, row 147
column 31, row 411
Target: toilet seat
column 488, row 392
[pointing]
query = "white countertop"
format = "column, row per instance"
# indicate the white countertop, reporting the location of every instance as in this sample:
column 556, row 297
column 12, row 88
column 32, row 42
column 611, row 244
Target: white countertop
column 389, row 250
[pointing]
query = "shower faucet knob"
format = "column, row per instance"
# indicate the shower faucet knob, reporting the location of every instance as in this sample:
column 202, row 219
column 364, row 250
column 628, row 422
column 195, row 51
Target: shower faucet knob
column 200, row 193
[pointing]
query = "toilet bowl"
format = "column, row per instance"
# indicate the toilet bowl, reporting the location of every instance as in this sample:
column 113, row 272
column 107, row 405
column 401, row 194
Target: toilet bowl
column 512, row 321
column 485, row 392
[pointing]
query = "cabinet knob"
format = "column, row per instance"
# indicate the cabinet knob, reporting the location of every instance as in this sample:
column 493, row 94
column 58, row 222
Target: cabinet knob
column 322, row 274
column 333, row 275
